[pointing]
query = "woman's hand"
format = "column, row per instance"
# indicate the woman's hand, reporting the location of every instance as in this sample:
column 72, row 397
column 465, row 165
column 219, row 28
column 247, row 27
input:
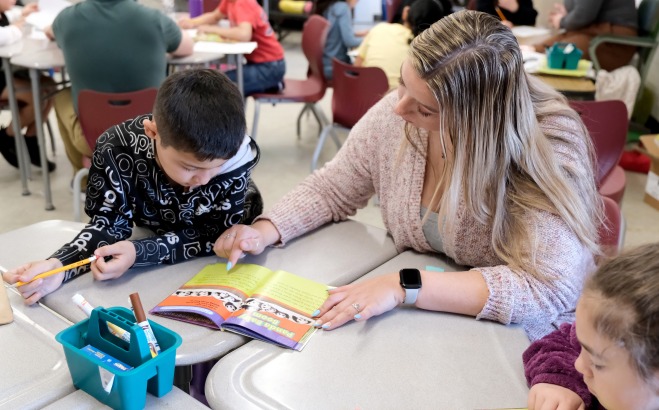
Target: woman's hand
column 557, row 15
column 241, row 239
column 33, row 291
column 123, row 257
column 360, row 301
column 545, row 396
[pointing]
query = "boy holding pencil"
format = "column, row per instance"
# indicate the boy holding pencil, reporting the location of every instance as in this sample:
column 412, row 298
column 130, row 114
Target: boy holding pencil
column 183, row 172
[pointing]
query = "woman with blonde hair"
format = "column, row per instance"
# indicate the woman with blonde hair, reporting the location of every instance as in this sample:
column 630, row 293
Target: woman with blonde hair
column 480, row 162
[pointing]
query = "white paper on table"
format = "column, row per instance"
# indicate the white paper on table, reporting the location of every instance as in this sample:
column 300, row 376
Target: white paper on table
column 530, row 31
column 532, row 60
column 224, row 48
column 48, row 10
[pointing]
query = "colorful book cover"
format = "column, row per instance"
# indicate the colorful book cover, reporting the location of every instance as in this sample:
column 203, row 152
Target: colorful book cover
column 273, row 306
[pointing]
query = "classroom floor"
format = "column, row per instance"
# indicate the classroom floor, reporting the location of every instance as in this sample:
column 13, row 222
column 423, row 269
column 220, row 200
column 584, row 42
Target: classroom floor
column 285, row 161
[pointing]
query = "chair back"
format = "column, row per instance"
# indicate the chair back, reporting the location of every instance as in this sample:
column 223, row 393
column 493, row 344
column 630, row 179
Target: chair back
column 99, row 111
column 356, row 89
column 391, row 9
column 607, row 125
column 610, row 233
column 314, row 36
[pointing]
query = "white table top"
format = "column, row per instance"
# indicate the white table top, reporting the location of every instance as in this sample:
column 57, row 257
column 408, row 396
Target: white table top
column 45, row 58
column 27, row 45
column 404, row 359
column 335, row 254
column 175, row 399
column 33, row 370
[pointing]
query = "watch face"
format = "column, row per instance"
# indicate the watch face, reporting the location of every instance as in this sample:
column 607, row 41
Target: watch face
column 410, row 278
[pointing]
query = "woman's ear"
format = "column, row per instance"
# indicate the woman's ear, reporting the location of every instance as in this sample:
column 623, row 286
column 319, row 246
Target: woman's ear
column 406, row 12
column 150, row 128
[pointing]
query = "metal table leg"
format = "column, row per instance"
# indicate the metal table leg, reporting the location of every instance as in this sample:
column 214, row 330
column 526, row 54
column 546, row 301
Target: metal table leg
column 38, row 117
column 21, row 148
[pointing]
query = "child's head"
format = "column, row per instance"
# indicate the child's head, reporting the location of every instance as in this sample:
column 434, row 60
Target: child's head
column 421, row 14
column 198, row 124
column 200, row 112
column 618, row 327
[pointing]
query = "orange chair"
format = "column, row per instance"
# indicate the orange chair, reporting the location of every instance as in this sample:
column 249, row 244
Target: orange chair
column 308, row 91
column 611, row 233
column 356, row 89
column 98, row 112
column 607, row 124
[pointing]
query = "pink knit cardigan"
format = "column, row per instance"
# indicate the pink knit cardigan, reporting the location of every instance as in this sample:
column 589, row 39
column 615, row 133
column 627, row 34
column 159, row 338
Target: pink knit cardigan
column 369, row 164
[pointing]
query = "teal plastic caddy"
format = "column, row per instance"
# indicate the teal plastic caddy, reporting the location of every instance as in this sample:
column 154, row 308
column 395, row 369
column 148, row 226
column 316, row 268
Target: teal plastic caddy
column 155, row 375
column 563, row 56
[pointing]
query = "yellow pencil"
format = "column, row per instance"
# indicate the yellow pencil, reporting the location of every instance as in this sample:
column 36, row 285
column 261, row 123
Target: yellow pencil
column 500, row 13
column 58, row 270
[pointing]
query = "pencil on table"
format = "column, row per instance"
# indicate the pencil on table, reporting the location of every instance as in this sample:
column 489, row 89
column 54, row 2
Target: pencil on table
column 58, row 270
column 500, row 13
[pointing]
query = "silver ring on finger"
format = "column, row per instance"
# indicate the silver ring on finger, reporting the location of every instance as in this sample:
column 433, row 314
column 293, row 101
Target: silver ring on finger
column 357, row 307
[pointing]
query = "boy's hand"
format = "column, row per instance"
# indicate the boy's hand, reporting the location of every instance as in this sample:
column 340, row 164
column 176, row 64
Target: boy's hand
column 123, row 257
column 545, row 396
column 34, row 291
column 29, row 9
column 186, row 23
column 556, row 15
column 208, row 28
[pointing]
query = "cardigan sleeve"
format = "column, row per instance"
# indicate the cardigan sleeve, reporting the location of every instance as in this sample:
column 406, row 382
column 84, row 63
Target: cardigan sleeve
column 582, row 14
column 551, row 360
column 340, row 188
column 537, row 301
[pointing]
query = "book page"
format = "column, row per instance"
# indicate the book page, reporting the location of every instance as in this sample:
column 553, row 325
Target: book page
column 213, row 294
column 279, row 311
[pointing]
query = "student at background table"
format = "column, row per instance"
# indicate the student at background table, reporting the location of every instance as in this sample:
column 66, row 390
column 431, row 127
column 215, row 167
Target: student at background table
column 583, row 20
column 266, row 66
column 386, row 44
column 341, row 37
column 183, row 172
column 110, row 46
column 516, row 12
column 11, row 30
column 472, row 158
column 608, row 358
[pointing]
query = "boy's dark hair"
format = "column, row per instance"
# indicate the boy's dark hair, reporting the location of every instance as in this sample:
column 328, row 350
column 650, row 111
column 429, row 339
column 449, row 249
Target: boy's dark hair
column 423, row 13
column 626, row 292
column 320, row 6
column 200, row 111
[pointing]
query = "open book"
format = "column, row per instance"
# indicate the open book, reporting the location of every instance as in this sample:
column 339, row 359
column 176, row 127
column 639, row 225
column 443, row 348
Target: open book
column 273, row 306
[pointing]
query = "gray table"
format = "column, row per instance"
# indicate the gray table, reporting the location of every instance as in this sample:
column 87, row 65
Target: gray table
column 404, row 359
column 176, row 399
column 33, row 370
column 335, row 254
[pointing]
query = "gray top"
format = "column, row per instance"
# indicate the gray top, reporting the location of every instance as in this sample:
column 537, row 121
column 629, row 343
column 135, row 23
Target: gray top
column 431, row 230
column 335, row 254
column 404, row 359
column 582, row 13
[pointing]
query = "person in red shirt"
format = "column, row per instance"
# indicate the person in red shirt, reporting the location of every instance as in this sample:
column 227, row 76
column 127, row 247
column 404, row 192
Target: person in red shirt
column 265, row 66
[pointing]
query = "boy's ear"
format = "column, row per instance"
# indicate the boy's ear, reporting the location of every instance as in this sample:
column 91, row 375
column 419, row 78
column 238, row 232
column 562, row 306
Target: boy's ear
column 406, row 11
column 150, row 128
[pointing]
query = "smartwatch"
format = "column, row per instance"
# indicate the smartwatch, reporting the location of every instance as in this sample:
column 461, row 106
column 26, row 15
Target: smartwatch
column 410, row 281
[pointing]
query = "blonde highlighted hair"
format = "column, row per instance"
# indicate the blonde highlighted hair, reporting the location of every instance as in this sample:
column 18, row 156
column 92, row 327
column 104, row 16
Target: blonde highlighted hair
column 501, row 163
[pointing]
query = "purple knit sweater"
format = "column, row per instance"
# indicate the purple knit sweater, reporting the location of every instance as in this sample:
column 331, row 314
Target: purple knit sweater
column 371, row 162
column 551, row 360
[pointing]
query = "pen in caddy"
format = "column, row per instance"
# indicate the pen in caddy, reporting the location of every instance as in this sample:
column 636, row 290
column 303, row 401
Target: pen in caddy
column 58, row 270
column 86, row 307
column 144, row 323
